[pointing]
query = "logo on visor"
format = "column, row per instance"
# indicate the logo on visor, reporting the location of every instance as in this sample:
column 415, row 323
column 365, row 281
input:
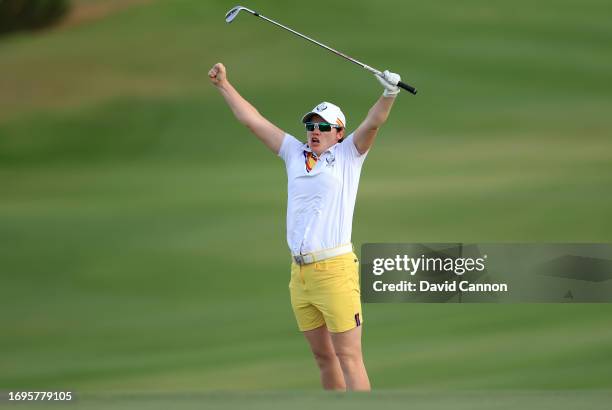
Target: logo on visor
column 321, row 107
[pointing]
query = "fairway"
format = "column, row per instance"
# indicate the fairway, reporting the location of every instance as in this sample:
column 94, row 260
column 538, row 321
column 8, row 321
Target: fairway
column 143, row 257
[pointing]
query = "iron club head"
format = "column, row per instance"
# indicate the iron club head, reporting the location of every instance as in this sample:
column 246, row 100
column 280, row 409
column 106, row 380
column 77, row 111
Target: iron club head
column 233, row 13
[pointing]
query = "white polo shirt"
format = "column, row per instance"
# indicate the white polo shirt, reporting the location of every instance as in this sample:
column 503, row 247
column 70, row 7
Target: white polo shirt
column 321, row 202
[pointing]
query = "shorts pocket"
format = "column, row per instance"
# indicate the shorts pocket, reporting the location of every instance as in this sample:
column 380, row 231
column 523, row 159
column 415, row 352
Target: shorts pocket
column 330, row 265
column 295, row 272
column 333, row 276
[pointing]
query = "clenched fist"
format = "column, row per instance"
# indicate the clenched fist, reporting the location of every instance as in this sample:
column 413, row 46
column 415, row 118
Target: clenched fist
column 217, row 74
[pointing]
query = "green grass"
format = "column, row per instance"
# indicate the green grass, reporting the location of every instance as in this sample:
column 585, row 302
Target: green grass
column 142, row 248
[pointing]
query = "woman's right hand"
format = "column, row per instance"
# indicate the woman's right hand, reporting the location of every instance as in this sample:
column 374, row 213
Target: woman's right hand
column 217, row 74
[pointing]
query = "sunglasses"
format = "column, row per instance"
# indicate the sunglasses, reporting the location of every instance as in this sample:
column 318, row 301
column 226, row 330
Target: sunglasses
column 321, row 126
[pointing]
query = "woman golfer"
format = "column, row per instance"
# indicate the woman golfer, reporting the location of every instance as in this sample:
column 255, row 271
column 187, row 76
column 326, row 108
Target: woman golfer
column 323, row 176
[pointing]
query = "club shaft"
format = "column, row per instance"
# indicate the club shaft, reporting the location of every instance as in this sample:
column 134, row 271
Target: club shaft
column 405, row 86
column 352, row 60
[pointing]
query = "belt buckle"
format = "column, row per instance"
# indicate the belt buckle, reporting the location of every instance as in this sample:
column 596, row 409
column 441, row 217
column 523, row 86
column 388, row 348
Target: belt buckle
column 299, row 259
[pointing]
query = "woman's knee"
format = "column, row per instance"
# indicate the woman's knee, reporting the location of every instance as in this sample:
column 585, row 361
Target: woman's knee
column 324, row 357
column 349, row 356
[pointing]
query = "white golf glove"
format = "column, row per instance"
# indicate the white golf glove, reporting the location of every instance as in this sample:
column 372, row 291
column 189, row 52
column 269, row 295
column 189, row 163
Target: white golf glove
column 389, row 80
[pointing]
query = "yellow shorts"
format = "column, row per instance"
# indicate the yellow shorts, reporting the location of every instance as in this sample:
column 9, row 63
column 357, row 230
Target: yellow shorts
column 327, row 293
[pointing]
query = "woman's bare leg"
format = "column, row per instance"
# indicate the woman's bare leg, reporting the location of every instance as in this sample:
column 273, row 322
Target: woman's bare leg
column 348, row 350
column 323, row 350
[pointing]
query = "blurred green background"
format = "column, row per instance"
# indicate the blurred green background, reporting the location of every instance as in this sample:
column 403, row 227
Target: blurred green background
column 142, row 229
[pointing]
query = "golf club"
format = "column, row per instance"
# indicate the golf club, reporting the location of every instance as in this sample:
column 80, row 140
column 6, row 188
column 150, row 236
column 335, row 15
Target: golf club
column 233, row 13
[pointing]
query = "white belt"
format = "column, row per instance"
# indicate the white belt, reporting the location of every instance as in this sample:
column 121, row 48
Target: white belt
column 322, row 254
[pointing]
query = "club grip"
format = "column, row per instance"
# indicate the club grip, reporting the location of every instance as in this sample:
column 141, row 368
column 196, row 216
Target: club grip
column 407, row 87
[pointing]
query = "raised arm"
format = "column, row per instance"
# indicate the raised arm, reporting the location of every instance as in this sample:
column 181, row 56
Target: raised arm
column 245, row 113
column 366, row 132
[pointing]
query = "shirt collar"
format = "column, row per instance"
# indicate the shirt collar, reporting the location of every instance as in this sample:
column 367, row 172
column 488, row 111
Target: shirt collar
column 331, row 149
